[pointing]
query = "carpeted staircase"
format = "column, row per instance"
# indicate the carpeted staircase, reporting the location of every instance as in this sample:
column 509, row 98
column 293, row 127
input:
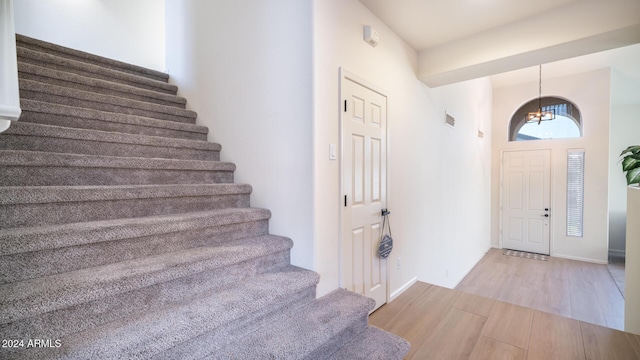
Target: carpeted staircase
column 123, row 236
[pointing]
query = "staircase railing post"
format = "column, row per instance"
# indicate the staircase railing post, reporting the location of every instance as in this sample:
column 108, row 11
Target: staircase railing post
column 9, row 94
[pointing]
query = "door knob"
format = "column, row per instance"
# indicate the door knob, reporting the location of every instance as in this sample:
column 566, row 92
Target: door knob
column 545, row 215
column 546, row 209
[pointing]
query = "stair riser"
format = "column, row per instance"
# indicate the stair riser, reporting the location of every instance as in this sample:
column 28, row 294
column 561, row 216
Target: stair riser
column 20, row 215
column 374, row 343
column 102, row 75
column 47, row 48
column 101, row 106
column 35, row 264
column 195, row 348
column 23, row 75
column 328, row 316
column 92, row 147
column 105, row 125
column 60, row 323
column 340, row 339
column 49, row 176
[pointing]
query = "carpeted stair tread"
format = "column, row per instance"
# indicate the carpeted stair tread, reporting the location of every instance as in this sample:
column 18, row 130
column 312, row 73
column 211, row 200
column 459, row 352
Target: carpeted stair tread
column 215, row 311
column 44, row 205
column 66, row 79
column 373, row 344
column 52, row 194
column 89, row 315
column 58, row 139
column 26, row 55
column 38, row 238
column 39, row 158
column 302, row 332
column 47, row 47
column 35, row 296
column 56, row 257
column 35, row 168
column 35, row 90
column 34, row 111
column 351, row 310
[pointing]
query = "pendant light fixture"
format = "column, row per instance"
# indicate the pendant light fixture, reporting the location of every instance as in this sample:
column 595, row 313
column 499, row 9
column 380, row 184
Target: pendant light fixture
column 540, row 115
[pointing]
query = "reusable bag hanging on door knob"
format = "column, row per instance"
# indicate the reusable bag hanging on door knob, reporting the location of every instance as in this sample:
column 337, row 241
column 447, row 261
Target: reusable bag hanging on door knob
column 386, row 243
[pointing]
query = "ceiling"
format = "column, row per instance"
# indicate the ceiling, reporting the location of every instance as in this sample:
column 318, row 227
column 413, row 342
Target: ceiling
column 625, row 61
column 427, row 23
column 458, row 40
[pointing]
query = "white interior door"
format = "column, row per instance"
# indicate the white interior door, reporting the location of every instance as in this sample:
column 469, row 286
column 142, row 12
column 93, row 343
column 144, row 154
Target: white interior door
column 526, row 199
column 364, row 185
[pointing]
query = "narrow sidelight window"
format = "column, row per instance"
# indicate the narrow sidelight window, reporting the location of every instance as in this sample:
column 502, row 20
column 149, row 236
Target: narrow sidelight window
column 575, row 192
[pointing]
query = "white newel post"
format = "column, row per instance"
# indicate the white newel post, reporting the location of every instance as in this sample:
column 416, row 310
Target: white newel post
column 9, row 93
column 632, row 263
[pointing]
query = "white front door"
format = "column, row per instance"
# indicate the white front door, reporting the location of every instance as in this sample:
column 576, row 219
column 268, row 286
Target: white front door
column 526, row 199
column 364, row 119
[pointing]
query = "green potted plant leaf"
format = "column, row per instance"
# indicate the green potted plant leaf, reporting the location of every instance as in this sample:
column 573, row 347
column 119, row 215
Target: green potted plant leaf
column 631, row 164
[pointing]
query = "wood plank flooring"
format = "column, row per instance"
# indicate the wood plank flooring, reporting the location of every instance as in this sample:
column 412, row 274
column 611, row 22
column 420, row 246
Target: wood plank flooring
column 449, row 324
column 578, row 290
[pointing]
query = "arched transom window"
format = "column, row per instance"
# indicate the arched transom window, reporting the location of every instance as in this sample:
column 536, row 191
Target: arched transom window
column 567, row 122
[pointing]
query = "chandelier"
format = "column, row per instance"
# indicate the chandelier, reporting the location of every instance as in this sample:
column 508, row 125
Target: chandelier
column 540, row 115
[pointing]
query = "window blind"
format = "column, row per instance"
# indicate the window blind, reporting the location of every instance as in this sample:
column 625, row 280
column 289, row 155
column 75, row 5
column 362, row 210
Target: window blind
column 575, row 192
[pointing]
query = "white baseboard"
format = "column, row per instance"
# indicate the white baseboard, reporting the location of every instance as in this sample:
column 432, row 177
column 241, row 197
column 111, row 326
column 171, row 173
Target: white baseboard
column 402, row 289
column 580, row 259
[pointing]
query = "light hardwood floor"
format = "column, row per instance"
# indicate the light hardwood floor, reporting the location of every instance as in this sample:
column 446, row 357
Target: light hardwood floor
column 578, row 290
column 448, row 324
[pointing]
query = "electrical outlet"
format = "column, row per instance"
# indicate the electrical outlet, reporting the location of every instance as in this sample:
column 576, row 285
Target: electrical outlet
column 399, row 263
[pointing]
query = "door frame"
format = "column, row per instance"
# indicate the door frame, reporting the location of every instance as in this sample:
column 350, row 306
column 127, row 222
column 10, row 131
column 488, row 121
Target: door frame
column 345, row 75
column 551, row 194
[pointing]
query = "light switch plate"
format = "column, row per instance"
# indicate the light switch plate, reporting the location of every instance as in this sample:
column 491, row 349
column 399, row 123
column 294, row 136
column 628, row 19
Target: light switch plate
column 332, row 151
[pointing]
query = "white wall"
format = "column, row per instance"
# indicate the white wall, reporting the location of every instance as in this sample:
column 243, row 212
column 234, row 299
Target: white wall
column 625, row 131
column 632, row 266
column 125, row 30
column 590, row 92
column 438, row 177
column 245, row 67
